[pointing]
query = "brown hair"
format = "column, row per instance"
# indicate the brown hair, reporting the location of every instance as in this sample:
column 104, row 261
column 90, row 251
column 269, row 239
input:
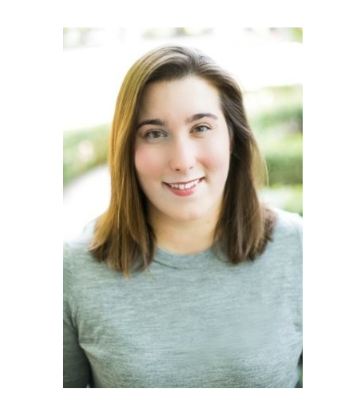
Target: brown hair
column 123, row 236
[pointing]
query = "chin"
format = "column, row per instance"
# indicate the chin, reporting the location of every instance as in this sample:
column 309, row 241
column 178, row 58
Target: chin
column 189, row 215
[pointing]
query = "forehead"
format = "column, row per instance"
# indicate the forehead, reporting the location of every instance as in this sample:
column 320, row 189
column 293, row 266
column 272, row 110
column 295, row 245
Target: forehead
column 185, row 95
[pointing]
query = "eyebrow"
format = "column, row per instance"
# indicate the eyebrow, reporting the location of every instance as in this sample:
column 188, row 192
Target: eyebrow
column 151, row 121
column 195, row 117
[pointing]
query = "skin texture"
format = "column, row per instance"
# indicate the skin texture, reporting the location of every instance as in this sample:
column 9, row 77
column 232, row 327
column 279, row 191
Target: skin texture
column 174, row 144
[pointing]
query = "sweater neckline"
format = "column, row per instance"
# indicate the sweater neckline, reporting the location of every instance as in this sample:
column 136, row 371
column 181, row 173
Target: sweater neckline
column 184, row 261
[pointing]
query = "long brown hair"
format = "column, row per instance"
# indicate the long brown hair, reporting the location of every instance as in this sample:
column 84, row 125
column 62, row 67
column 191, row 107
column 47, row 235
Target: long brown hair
column 123, row 236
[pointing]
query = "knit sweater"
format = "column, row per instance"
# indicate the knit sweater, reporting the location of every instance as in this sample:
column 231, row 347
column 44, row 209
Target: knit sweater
column 188, row 321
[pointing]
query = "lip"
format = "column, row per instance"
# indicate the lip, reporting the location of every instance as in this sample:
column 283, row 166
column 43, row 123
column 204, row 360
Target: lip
column 193, row 180
column 184, row 192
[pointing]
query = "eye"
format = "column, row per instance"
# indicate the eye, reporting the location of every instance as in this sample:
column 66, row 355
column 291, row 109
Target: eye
column 201, row 128
column 155, row 135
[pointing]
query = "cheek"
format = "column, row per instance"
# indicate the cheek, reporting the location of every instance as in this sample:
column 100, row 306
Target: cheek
column 217, row 158
column 147, row 163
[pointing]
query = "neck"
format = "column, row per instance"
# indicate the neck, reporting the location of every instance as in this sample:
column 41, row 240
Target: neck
column 188, row 237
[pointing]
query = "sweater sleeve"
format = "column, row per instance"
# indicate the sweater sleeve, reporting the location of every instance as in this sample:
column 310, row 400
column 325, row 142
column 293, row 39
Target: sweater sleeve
column 76, row 368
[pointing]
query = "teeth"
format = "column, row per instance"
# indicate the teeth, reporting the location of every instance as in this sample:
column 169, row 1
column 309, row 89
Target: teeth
column 185, row 186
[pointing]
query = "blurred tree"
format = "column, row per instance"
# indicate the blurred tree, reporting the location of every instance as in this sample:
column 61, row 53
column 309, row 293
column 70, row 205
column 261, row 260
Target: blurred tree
column 297, row 34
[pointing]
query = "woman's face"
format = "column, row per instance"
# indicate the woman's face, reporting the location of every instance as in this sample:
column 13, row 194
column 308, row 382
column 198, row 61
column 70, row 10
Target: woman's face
column 182, row 150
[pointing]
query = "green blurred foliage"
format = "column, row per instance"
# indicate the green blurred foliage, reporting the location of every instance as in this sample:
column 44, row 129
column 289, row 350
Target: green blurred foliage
column 84, row 150
column 284, row 160
column 276, row 118
column 297, row 34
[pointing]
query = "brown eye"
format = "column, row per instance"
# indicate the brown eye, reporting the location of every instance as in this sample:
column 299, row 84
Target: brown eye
column 201, row 129
column 155, row 134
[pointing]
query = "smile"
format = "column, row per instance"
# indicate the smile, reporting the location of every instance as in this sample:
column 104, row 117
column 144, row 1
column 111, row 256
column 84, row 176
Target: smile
column 184, row 188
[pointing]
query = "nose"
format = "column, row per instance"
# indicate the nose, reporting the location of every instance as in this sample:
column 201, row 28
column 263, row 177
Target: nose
column 183, row 155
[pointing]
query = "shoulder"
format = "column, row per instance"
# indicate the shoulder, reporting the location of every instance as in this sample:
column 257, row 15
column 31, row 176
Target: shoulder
column 79, row 265
column 288, row 226
column 286, row 240
column 77, row 247
column 85, row 236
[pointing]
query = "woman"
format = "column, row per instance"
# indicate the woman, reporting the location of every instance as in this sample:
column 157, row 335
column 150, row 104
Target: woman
column 187, row 280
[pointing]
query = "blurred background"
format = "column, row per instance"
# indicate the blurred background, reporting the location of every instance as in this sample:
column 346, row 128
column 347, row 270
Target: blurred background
column 267, row 63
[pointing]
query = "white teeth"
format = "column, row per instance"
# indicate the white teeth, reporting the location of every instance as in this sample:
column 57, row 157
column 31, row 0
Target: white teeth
column 185, row 186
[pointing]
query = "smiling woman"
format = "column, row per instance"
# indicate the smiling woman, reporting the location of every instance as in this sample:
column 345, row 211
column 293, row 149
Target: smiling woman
column 152, row 94
column 213, row 289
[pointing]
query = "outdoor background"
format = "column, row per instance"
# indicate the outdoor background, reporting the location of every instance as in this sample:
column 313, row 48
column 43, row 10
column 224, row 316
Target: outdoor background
column 266, row 62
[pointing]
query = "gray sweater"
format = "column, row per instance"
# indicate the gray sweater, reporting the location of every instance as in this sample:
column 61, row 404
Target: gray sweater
column 189, row 321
